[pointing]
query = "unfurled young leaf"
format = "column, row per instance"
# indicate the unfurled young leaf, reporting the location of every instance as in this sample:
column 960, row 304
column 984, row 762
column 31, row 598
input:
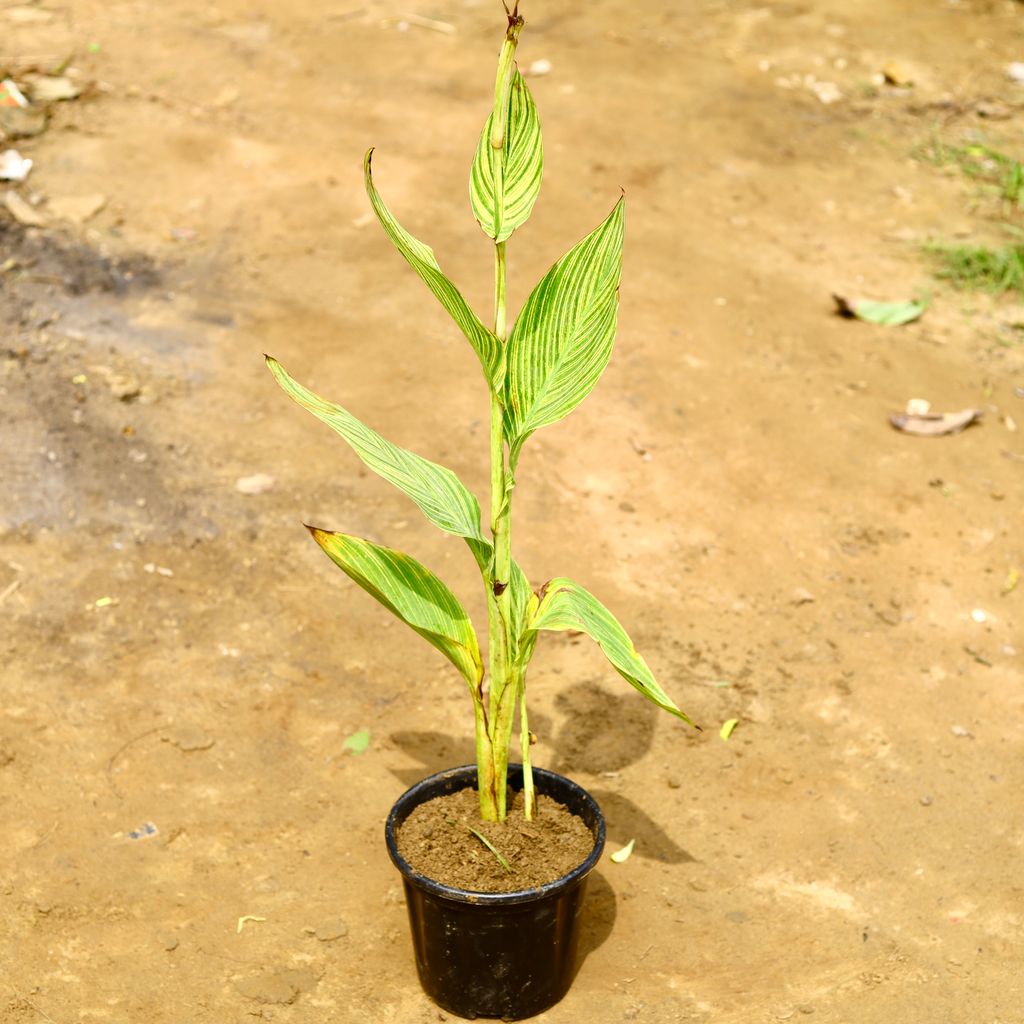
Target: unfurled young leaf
column 501, row 205
column 566, row 605
column 562, row 339
column 421, row 258
column 414, row 594
column 438, row 492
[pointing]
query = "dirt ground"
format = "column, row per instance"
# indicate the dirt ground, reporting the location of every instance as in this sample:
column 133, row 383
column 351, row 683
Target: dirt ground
column 178, row 654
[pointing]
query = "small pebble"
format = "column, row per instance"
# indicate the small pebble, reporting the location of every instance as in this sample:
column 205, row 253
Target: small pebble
column 256, row 484
column 926, row 801
column 961, row 731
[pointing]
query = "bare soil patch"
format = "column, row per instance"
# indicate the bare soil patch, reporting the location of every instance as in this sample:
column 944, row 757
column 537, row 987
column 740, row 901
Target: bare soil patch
column 186, row 837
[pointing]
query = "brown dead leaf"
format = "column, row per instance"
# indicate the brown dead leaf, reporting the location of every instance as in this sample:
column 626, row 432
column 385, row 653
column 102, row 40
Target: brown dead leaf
column 934, row 424
column 23, row 212
column 51, row 88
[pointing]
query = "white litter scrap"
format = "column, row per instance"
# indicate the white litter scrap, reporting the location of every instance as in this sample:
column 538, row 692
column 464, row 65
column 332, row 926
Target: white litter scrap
column 258, row 483
column 14, row 166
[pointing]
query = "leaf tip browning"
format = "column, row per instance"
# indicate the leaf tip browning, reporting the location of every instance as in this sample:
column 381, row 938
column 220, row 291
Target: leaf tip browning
column 318, row 534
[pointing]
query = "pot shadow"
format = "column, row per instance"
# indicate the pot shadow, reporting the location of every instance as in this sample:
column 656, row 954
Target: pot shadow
column 625, row 821
column 597, row 918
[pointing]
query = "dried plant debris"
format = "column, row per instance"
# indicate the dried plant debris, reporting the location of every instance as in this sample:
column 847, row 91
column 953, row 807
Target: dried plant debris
column 934, row 424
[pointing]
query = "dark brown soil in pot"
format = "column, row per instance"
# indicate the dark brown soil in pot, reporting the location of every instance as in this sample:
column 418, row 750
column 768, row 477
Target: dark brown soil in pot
column 437, row 841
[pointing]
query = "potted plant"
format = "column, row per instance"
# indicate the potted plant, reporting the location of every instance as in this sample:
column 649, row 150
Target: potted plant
column 479, row 951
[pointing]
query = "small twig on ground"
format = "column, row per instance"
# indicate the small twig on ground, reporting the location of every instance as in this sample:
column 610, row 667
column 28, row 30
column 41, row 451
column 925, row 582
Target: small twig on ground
column 347, row 15
column 421, row 22
column 9, row 589
column 28, row 1002
column 117, row 753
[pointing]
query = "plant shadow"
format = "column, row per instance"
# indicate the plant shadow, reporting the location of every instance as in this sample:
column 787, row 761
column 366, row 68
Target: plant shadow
column 603, row 731
column 625, row 821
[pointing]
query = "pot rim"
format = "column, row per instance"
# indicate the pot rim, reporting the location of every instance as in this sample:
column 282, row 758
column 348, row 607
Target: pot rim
column 470, row 896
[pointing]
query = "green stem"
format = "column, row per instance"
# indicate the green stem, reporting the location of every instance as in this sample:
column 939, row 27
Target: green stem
column 529, row 797
column 484, row 764
column 503, row 679
column 502, row 703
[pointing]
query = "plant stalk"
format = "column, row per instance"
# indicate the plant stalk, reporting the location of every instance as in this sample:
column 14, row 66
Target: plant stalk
column 502, row 685
column 525, row 739
column 504, row 680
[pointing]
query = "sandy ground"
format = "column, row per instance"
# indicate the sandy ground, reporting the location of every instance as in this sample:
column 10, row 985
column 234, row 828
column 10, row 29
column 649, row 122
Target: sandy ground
column 178, row 653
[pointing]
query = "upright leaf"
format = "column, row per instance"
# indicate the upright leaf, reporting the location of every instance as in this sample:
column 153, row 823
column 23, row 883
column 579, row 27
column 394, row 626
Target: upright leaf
column 566, row 605
column 438, row 492
column 562, row 339
column 414, row 594
column 421, row 258
column 522, row 161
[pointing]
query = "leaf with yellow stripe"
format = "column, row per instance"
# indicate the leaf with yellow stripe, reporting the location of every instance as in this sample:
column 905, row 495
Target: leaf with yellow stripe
column 414, row 594
column 564, row 604
column 502, row 202
column 421, row 258
column 562, row 339
column 439, row 493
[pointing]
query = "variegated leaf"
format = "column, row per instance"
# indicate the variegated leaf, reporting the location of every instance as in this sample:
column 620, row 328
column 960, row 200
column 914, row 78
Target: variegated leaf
column 562, row 339
column 438, row 492
column 421, row 258
column 414, row 594
column 503, row 204
column 566, row 605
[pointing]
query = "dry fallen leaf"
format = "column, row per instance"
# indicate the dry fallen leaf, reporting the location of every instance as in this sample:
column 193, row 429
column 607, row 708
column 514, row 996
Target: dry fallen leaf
column 621, row 856
column 23, row 212
column 888, row 314
column 934, row 424
column 51, row 88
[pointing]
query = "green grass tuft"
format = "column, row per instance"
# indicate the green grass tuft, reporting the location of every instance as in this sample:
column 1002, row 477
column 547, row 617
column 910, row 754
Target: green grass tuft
column 980, row 268
column 999, row 175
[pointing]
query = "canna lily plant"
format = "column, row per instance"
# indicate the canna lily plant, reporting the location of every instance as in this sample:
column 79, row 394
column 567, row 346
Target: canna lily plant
column 536, row 373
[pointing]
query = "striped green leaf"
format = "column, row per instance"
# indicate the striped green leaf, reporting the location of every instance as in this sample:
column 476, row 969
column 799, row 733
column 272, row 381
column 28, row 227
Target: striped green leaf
column 501, row 204
column 414, row 594
column 566, row 605
column 421, row 258
column 562, row 339
column 438, row 492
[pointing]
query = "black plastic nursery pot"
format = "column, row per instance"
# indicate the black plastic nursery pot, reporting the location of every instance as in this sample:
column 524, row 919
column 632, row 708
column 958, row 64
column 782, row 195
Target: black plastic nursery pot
column 484, row 954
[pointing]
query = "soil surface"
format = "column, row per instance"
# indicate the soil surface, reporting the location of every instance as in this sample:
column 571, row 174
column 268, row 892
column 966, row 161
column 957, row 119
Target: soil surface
column 188, row 835
column 443, row 839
